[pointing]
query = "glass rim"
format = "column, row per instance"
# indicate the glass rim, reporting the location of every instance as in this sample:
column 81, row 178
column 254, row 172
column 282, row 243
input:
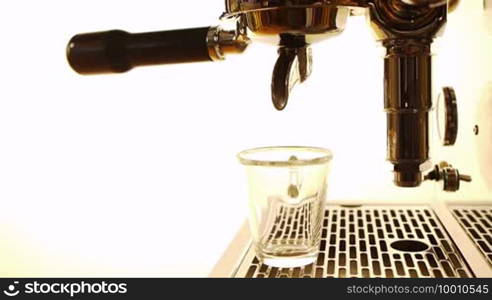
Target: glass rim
column 324, row 156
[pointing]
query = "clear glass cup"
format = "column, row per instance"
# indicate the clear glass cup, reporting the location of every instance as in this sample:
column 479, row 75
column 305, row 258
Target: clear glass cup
column 287, row 198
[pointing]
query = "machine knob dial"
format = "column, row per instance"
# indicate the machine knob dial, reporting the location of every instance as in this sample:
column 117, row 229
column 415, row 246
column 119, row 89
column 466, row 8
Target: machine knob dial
column 447, row 116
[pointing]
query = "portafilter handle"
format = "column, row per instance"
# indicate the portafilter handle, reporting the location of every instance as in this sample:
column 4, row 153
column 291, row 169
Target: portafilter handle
column 118, row 51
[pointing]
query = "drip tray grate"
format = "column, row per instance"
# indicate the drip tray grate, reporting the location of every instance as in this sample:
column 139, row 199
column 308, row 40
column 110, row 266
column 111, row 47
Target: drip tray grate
column 477, row 221
column 372, row 241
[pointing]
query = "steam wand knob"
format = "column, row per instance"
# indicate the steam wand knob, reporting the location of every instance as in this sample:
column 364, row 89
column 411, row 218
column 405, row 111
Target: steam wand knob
column 450, row 176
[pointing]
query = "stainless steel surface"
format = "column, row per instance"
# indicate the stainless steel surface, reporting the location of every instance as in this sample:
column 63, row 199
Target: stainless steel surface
column 317, row 24
column 237, row 260
column 234, row 7
column 477, row 221
column 221, row 42
column 388, row 23
column 316, row 20
column 234, row 255
column 425, row 2
column 359, row 241
column 452, row 4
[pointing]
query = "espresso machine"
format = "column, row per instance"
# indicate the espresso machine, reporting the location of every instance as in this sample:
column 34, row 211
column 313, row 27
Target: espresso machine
column 445, row 237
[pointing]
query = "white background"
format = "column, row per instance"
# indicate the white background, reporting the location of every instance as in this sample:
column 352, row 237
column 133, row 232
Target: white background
column 135, row 174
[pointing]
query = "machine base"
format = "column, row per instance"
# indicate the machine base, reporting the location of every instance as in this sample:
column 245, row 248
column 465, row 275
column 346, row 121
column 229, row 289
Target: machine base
column 385, row 241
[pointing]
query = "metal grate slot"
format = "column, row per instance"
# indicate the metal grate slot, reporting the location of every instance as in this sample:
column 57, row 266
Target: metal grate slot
column 374, row 241
column 477, row 221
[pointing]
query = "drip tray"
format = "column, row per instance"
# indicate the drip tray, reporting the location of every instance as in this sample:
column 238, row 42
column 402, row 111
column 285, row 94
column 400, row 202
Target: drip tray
column 372, row 241
column 477, row 222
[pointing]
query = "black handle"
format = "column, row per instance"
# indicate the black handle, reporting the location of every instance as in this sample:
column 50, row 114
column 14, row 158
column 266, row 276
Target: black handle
column 118, row 51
